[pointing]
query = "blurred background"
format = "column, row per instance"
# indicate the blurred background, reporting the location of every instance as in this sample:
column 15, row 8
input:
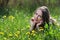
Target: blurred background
column 27, row 5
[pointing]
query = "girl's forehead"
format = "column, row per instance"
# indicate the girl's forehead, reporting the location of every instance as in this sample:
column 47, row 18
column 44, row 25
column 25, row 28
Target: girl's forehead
column 39, row 11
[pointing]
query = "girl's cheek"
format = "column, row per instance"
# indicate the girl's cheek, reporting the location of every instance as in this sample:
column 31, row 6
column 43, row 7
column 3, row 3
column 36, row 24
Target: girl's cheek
column 35, row 17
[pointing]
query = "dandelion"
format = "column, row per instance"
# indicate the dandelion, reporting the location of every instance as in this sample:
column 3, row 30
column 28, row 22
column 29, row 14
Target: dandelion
column 11, row 17
column 28, row 26
column 10, row 34
column 33, row 31
column 4, row 16
column 2, row 33
column 28, row 33
column 41, row 29
column 17, row 33
column 34, row 34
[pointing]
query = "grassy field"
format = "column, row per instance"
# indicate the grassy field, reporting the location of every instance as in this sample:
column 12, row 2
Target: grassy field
column 16, row 26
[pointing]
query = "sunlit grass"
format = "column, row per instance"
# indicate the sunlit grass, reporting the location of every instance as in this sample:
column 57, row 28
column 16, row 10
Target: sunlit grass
column 16, row 27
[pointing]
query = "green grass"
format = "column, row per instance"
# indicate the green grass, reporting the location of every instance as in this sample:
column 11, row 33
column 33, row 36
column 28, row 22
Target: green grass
column 16, row 27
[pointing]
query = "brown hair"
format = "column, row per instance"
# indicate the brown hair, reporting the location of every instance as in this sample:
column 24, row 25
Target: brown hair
column 45, row 15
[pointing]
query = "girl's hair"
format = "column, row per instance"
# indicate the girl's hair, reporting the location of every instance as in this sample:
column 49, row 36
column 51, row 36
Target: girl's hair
column 45, row 14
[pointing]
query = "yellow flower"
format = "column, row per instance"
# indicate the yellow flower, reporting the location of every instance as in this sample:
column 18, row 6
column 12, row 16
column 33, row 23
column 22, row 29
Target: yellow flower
column 2, row 33
column 17, row 33
column 34, row 34
column 41, row 29
column 28, row 26
column 4, row 16
column 33, row 31
column 28, row 33
column 10, row 34
column 11, row 17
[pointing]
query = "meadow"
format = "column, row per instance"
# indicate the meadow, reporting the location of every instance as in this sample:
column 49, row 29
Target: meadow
column 16, row 26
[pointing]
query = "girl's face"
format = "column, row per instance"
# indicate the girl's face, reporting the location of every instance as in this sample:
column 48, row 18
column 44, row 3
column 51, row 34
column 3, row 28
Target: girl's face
column 38, row 15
